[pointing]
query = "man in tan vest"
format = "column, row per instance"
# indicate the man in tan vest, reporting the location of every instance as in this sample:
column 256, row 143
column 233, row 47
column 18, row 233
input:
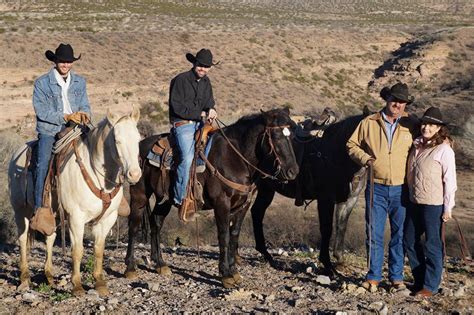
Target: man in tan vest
column 382, row 142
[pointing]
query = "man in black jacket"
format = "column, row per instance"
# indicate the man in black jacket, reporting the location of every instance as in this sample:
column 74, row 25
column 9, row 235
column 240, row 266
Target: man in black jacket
column 190, row 100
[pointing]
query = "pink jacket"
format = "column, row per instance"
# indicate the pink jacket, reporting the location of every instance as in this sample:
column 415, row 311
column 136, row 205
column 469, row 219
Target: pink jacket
column 445, row 156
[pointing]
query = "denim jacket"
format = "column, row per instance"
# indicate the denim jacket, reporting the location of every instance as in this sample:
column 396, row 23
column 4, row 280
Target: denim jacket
column 48, row 105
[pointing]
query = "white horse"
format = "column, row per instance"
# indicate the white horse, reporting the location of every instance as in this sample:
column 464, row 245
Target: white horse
column 109, row 153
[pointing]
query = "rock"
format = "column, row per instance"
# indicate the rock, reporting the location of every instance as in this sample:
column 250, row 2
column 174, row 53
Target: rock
column 325, row 280
column 379, row 307
column 351, row 288
column 29, row 297
column 112, row 301
column 341, row 313
column 102, row 308
column 360, row 291
column 403, row 292
column 309, row 270
column 296, row 289
column 62, row 282
column 285, row 254
column 92, row 292
column 460, row 292
column 270, row 298
column 153, row 286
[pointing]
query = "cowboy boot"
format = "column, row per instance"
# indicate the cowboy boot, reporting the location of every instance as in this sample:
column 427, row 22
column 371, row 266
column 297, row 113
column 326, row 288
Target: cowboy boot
column 43, row 221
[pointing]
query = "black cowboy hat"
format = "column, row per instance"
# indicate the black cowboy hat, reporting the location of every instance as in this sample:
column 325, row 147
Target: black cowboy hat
column 433, row 116
column 64, row 52
column 398, row 92
column 203, row 57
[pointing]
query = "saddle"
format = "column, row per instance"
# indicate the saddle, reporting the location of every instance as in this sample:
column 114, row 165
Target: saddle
column 62, row 151
column 308, row 132
column 162, row 156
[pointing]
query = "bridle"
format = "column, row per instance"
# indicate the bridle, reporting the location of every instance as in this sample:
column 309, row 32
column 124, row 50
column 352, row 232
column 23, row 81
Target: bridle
column 266, row 134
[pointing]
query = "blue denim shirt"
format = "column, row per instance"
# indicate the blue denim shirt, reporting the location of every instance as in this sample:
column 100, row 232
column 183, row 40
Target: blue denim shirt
column 48, row 104
column 390, row 128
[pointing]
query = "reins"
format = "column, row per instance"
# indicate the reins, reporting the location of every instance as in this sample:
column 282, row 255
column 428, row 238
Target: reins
column 272, row 150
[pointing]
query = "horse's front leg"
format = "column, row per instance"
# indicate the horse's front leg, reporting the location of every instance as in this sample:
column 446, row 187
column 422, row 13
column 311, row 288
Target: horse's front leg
column 223, row 222
column 234, row 242
column 264, row 198
column 100, row 231
column 76, row 233
column 48, row 266
column 156, row 221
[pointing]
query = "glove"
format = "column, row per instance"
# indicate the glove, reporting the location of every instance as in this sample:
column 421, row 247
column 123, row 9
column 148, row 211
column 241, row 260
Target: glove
column 85, row 119
column 74, row 117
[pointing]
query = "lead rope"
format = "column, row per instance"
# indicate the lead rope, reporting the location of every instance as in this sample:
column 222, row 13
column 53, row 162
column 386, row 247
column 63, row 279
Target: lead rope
column 371, row 204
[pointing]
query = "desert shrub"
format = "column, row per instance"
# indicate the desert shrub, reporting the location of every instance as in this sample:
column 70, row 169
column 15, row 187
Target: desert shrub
column 9, row 143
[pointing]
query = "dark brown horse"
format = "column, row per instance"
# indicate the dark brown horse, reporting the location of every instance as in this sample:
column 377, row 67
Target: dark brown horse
column 263, row 139
column 326, row 175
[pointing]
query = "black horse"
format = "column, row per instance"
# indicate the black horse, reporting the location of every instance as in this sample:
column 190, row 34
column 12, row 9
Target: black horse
column 264, row 141
column 328, row 175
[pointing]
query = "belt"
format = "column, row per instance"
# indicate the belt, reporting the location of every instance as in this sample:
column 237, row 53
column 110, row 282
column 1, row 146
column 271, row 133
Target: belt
column 182, row 122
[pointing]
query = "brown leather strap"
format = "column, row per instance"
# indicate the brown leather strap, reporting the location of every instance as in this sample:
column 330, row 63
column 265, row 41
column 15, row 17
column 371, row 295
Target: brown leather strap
column 466, row 255
column 106, row 197
column 239, row 187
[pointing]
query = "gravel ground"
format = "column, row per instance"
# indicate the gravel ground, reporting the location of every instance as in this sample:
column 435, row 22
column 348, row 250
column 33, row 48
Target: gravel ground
column 293, row 286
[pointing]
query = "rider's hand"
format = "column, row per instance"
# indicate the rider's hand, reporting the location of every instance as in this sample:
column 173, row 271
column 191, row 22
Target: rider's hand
column 85, row 119
column 212, row 115
column 74, row 117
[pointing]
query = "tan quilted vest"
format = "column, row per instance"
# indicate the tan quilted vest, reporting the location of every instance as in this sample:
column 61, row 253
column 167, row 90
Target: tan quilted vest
column 426, row 180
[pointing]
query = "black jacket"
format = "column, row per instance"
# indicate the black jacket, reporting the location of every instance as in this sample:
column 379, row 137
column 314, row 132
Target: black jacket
column 189, row 97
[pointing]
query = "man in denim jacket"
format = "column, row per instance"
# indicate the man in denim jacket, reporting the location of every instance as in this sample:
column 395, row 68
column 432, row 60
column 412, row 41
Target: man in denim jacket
column 59, row 96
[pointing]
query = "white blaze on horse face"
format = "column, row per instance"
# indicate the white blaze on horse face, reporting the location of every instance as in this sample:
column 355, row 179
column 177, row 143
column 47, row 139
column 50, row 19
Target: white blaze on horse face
column 286, row 132
column 127, row 139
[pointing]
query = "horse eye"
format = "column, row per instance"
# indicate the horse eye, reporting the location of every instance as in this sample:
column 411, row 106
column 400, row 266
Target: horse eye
column 286, row 132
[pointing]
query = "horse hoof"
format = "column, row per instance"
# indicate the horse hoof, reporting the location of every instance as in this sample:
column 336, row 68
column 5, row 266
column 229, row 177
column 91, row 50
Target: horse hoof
column 78, row 291
column 238, row 260
column 50, row 279
column 102, row 289
column 131, row 275
column 164, row 270
column 24, row 286
column 237, row 278
column 228, row 282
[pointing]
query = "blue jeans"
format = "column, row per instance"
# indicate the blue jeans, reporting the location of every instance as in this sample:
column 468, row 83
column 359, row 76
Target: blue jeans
column 45, row 146
column 185, row 142
column 426, row 262
column 388, row 201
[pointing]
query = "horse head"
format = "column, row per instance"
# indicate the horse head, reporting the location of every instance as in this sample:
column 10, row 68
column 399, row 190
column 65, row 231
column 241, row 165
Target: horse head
column 126, row 139
column 276, row 144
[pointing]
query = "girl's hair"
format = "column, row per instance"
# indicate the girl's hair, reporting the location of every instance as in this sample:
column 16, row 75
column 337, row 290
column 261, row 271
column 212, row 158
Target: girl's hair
column 441, row 136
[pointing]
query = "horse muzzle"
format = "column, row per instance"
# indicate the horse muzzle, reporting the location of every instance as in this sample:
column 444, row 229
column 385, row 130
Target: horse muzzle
column 290, row 173
column 133, row 175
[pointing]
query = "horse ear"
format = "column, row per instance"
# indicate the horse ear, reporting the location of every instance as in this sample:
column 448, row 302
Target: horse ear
column 286, row 109
column 135, row 115
column 112, row 117
column 366, row 111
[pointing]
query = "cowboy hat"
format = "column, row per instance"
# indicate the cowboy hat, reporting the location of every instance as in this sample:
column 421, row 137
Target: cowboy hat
column 398, row 92
column 203, row 57
column 64, row 53
column 433, row 116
